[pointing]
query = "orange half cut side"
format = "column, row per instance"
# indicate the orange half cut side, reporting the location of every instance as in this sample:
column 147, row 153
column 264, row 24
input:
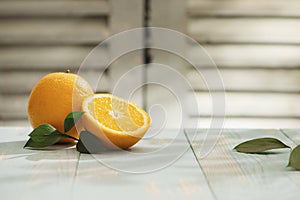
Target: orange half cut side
column 119, row 123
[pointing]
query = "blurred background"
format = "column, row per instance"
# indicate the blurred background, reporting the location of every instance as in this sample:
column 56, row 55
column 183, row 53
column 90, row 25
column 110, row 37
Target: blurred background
column 254, row 43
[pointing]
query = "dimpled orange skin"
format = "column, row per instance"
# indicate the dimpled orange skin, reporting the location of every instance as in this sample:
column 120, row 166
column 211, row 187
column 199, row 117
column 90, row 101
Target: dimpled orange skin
column 54, row 97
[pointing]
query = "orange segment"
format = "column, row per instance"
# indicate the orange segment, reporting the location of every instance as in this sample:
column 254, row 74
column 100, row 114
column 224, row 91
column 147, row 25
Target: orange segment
column 116, row 121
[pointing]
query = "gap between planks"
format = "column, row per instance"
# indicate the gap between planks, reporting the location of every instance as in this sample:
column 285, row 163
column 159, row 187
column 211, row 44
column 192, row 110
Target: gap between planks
column 181, row 179
column 206, row 178
column 228, row 172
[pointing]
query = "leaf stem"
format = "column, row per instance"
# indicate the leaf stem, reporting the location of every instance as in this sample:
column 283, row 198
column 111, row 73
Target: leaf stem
column 69, row 136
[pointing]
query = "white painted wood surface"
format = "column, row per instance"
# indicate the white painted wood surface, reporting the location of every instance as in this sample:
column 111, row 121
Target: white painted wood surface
column 233, row 175
column 181, row 180
column 27, row 174
column 66, row 174
column 293, row 134
column 223, row 174
column 247, row 122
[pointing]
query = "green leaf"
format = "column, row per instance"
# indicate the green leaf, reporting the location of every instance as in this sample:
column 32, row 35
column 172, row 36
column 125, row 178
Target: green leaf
column 71, row 120
column 43, row 129
column 259, row 145
column 294, row 160
column 43, row 136
column 88, row 143
column 31, row 143
column 81, row 148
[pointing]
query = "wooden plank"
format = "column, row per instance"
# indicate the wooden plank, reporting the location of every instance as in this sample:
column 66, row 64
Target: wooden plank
column 53, row 31
column 246, row 30
column 252, row 105
column 246, row 123
column 181, row 180
column 22, row 82
column 53, row 8
column 245, row 8
column 34, row 174
column 233, row 175
column 252, row 56
column 46, row 57
column 293, row 134
column 253, row 80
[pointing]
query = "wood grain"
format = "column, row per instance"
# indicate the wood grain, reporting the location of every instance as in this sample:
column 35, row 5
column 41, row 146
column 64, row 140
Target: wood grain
column 34, row 173
column 233, row 175
column 222, row 174
column 293, row 134
column 246, row 122
column 181, row 180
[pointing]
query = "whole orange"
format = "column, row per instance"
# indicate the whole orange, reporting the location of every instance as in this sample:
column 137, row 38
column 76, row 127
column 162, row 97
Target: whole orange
column 54, row 97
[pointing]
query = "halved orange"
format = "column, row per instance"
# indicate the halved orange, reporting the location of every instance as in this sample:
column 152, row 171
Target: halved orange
column 117, row 122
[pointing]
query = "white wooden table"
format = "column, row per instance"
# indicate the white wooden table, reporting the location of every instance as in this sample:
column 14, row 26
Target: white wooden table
column 223, row 174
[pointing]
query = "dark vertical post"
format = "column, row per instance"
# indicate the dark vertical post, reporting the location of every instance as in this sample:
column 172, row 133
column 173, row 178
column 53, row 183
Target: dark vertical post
column 146, row 53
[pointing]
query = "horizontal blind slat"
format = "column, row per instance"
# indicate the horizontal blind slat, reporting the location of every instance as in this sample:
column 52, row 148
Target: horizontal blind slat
column 47, row 57
column 255, row 80
column 245, row 30
column 52, row 31
column 238, row 8
column 251, row 105
column 12, row 83
column 249, row 56
column 14, row 106
column 65, row 8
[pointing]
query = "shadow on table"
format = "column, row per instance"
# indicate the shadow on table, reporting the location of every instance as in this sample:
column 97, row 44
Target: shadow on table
column 14, row 150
